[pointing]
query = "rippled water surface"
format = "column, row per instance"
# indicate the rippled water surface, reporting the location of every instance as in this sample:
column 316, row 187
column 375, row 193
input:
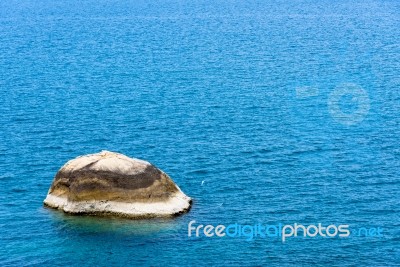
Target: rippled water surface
column 232, row 99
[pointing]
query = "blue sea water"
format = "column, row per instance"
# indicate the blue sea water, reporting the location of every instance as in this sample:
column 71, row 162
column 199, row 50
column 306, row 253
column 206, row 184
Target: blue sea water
column 233, row 99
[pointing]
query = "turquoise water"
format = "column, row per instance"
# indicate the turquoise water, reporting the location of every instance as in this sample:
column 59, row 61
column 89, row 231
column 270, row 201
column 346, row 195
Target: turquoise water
column 233, row 100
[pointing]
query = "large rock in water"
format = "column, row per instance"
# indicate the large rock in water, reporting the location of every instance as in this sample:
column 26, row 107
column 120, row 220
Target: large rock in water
column 112, row 183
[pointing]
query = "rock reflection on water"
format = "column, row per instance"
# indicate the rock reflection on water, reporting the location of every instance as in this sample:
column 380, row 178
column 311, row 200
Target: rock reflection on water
column 110, row 224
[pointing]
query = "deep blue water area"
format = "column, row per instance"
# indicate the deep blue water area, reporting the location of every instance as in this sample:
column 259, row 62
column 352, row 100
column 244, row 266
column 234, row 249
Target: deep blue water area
column 235, row 100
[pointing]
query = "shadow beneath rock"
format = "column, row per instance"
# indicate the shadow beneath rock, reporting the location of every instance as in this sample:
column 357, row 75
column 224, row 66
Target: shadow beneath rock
column 88, row 224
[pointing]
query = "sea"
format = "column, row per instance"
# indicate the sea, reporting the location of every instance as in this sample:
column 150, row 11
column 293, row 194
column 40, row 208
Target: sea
column 263, row 112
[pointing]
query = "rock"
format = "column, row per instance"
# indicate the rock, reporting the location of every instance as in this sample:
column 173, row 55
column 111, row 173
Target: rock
column 109, row 183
